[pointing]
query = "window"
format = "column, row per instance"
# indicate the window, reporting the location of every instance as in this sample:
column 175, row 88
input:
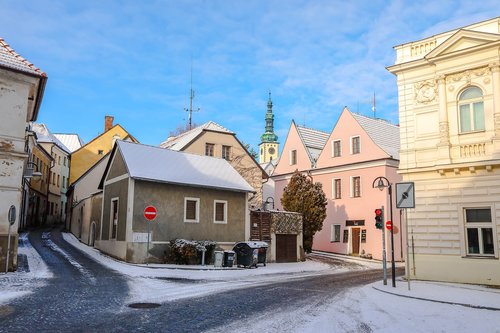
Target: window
column 59, row 160
column 100, row 152
column 209, row 149
column 355, row 187
column 336, row 148
column 58, row 180
column 335, row 233
column 471, row 110
column 64, row 160
column 64, row 182
column 192, row 210
column 114, row 217
column 220, row 211
column 226, row 152
column 355, row 145
column 479, row 231
column 337, row 189
column 293, row 157
column 53, row 178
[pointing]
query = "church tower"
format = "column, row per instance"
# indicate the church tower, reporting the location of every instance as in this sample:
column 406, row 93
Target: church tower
column 269, row 146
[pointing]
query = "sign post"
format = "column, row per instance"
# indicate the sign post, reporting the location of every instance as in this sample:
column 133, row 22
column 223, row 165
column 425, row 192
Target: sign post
column 150, row 215
column 12, row 220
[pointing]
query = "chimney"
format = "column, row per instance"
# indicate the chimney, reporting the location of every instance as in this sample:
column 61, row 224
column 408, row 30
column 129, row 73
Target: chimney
column 108, row 123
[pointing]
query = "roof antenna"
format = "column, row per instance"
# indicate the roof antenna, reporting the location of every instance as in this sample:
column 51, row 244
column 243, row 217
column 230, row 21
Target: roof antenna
column 374, row 107
column 191, row 97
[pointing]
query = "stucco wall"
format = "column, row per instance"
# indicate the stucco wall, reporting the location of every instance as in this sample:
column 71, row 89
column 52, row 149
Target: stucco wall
column 118, row 190
column 169, row 202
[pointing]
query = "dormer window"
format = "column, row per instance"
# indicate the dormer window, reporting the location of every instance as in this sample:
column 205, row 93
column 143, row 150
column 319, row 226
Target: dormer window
column 471, row 110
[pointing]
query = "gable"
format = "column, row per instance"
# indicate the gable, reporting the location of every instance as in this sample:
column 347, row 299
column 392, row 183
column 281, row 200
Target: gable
column 117, row 167
column 293, row 142
column 463, row 40
column 346, row 128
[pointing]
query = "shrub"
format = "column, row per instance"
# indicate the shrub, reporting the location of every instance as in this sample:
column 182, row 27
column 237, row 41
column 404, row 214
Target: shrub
column 187, row 252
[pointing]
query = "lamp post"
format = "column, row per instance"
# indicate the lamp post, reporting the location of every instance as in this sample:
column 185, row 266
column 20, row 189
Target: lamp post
column 269, row 200
column 382, row 183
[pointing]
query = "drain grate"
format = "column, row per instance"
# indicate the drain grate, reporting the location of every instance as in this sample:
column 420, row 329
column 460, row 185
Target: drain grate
column 144, row 305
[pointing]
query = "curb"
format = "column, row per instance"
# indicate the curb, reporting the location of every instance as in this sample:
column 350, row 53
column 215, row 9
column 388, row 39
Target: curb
column 443, row 302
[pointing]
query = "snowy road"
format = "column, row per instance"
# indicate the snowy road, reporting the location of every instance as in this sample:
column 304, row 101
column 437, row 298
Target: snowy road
column 84, row 295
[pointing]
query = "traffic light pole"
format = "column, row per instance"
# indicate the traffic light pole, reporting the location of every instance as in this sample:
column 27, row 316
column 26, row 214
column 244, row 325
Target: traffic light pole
column 384, row 257
column 393, row 265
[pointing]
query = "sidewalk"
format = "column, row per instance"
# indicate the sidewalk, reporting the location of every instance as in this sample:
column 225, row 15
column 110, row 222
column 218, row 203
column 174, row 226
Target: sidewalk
column 467, row 295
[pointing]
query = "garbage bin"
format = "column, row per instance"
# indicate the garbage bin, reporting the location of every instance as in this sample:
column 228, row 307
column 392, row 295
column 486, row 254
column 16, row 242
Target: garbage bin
column 228, row 259
column 218, row 258
column 262, row 252
column 250, row 253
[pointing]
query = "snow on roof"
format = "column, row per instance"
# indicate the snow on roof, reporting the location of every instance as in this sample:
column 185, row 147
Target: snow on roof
column 182, row 140
column 11, row 59
column 43, row 134
column 314, row 141
column 383, row 134
column 71, row 141
column 169, row 166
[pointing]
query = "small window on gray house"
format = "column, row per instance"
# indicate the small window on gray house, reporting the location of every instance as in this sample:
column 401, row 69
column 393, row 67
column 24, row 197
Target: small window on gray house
column 192, row 210
column 220, row 211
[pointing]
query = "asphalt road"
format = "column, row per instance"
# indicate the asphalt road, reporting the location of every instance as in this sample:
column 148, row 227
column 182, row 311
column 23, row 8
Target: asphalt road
column 85, row 296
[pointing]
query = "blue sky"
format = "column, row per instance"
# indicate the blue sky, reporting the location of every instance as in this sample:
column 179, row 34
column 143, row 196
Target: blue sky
column 132, row 59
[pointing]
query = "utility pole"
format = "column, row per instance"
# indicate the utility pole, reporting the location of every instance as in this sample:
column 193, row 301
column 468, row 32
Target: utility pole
column 191, row 97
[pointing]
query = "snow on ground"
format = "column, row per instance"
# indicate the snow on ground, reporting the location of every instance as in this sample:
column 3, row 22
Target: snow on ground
column 20, row 283
column 160, row 283
column 370, row 309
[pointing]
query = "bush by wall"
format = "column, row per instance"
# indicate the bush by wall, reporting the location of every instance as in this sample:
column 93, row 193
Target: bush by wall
column 189, row 252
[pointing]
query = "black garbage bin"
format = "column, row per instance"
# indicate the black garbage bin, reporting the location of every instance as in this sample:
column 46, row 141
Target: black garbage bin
column 228, row 259
column 262, row 252
column 246, row 254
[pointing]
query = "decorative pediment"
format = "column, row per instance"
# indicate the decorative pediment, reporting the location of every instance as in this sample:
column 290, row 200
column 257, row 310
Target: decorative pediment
column 463, row 40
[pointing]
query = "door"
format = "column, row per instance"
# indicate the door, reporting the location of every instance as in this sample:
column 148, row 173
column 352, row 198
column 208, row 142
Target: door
column 286, row 248
column 92, row 234
column 355, row 241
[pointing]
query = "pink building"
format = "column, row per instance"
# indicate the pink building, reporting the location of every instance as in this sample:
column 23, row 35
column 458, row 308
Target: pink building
column 346, row 162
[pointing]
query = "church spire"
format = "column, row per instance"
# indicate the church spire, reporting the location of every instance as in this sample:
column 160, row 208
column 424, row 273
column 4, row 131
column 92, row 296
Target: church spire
column 269, row 135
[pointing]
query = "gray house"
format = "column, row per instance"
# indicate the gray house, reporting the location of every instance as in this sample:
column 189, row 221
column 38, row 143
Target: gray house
column 196, row 198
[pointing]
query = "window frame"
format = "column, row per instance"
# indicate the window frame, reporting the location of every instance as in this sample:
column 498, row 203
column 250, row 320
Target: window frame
column 226, row 152
column 339, row 142
column 293, row 157
column 225, row 211
column 479, row 226
column 211, row 150
column 335, row 233
column 358, row 145
column 353, row 190
column 197, row 210
column 470, row 102
column 113, row 233
column 336, row 195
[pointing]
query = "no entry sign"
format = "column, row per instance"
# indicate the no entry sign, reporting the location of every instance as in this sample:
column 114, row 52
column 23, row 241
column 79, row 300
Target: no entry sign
column 388, row 225
column 150, row 213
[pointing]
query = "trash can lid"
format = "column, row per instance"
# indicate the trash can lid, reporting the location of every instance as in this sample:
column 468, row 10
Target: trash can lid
column 229, row 251
column 253, row 244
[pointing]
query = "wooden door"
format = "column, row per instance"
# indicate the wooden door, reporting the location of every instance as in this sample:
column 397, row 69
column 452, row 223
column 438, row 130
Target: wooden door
column 355, row 240
column 286, row 248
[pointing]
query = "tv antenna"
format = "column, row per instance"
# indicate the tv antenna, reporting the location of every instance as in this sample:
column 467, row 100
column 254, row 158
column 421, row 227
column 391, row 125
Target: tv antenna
column 191, row 97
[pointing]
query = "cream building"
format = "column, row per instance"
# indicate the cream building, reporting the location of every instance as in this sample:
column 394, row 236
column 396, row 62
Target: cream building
column 449, row 108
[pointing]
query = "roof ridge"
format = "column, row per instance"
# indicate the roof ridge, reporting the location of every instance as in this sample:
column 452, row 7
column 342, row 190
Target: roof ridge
column 20, row 58
column 313, row 129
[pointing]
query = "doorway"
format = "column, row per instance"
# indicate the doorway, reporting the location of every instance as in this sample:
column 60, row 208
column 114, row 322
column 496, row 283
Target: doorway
column 355, row 232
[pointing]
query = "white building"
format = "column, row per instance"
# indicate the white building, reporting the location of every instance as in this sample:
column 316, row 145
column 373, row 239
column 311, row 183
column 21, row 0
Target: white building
column 21, row 91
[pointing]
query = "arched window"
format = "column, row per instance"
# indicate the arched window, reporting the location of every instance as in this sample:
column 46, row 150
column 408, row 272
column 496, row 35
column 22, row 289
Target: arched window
column 471, row 110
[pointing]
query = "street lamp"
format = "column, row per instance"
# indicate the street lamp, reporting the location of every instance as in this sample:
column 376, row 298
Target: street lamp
column 30, row 173
column 269, row 200
column 382, row 183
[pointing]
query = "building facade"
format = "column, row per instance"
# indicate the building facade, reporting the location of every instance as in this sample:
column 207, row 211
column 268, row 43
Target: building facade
column 346, row 162
column 196, row 198
column 449, row 107
column 22, row 86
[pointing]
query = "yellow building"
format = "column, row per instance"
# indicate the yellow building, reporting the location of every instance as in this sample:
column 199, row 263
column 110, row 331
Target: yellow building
column 38, row 187
column 449, row 108
column 89, row 154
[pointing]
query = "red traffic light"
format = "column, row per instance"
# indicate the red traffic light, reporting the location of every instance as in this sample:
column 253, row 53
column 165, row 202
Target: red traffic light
column 378, row 211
